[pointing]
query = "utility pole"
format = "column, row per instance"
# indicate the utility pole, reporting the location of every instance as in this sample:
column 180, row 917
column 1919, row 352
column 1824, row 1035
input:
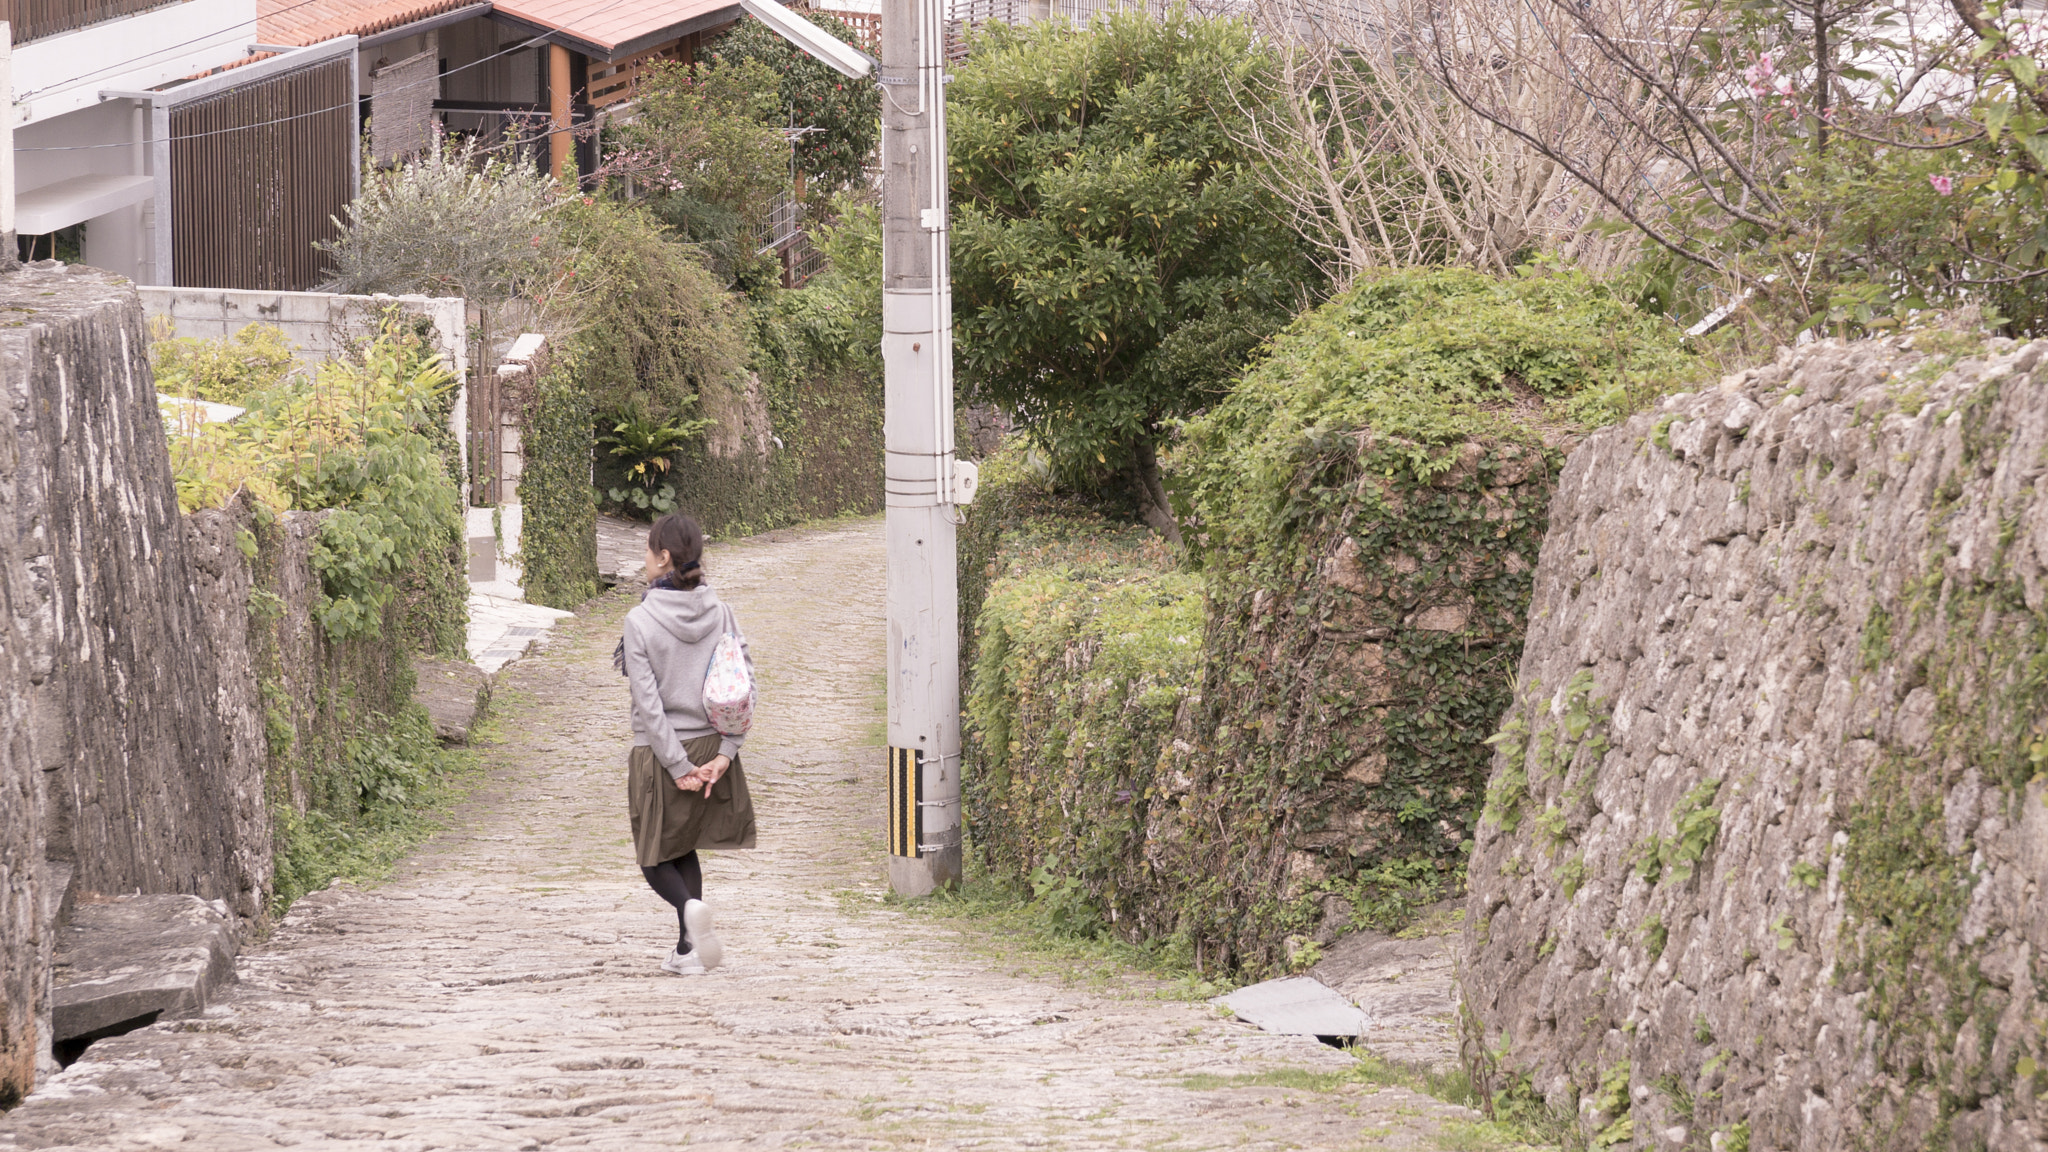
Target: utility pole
column 924, row 485
column 923, row 481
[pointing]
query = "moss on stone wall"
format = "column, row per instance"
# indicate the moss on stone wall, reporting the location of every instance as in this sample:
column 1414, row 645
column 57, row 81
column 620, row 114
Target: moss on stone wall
column 1087, row 653
column 351, row 756
column 1365, row 511
column 1768, row 821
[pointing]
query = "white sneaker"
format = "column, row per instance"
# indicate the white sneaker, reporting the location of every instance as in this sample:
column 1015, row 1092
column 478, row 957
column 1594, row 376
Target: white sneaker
column 683, row 963
column 703, row 941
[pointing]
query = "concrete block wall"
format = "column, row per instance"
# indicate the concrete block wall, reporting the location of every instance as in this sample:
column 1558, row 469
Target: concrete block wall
column 320, row 324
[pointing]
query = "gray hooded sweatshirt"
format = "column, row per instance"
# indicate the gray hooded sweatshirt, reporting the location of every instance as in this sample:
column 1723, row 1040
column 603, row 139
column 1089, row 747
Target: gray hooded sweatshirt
column 670, row 639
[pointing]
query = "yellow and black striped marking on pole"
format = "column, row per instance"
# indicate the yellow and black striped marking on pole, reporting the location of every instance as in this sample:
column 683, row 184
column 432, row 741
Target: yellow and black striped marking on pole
column 906, row 789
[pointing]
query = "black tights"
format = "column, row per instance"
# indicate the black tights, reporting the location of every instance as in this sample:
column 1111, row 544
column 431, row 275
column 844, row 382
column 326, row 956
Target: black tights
column 677, row 881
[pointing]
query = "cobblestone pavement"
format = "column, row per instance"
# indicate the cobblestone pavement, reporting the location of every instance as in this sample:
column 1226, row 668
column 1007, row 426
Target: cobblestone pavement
column 501, row 990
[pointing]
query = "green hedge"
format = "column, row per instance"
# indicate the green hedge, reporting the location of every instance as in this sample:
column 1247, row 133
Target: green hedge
column 1084, row 659
column 1364, row 513
column 558, row 531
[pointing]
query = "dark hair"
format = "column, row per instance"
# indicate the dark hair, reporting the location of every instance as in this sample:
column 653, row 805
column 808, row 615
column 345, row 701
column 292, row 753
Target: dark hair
column 679, row 536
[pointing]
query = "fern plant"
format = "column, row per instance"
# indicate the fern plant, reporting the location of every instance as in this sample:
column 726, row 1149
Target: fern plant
column 648, row 447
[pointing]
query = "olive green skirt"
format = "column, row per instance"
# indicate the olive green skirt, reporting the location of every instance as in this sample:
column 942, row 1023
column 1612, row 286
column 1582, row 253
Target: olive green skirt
column 669, row 822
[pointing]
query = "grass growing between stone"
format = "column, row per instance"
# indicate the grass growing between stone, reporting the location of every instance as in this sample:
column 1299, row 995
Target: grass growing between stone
column 1513, row 1126
column 405, row 783
column 1044, row 933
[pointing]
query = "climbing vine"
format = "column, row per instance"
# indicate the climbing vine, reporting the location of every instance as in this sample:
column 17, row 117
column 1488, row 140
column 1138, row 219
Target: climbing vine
column 558, row 535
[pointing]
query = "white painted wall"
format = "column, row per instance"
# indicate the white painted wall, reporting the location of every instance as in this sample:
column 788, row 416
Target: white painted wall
column 47, row 152
column 6, row 137
column 60, row 74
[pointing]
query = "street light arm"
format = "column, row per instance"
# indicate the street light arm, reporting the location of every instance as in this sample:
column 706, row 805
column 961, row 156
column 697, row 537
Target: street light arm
column 830, row 50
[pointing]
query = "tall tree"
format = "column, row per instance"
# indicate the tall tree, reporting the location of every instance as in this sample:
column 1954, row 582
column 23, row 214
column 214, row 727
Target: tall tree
column 1834, row 163
column 1115, row 259
column 843, row 117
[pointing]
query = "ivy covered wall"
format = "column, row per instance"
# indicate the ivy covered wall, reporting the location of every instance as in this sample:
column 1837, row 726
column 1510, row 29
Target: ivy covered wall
column 558, row 529
column 1364, row 511
column 796, row 437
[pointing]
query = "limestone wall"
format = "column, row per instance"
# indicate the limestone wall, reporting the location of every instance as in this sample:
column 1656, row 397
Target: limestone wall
column 320, row 324
column 116, row 757
column 1252, row 757
column 1761, row 859
column 1343, row 714
column 25, row 660
column 137, row 760
column 163, row 683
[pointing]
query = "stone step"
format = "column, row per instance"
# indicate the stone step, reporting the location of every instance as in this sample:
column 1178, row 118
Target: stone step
column 57, row 893
column 124, row 963
column 454, row 692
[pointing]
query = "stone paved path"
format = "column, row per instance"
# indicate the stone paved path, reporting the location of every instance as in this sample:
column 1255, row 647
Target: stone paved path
column 501, row 991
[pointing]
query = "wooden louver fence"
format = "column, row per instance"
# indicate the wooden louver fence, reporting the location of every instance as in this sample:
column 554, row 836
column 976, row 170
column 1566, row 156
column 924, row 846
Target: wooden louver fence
column 260, row 172
column 867, row 27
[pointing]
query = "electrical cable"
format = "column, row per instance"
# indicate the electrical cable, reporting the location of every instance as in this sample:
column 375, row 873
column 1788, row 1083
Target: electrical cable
column 932, row 94
column 75, row 81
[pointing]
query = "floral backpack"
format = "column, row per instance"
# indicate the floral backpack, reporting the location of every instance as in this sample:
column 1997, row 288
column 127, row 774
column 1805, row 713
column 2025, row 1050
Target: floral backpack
column 728, row 684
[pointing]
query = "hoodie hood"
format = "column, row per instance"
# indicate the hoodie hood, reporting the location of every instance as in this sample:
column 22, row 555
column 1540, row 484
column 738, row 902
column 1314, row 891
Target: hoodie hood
column 687, row 616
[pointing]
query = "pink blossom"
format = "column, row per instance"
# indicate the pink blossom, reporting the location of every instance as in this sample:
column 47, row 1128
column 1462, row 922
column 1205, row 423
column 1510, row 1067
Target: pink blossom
column 1942, row 184
column 1762, row 78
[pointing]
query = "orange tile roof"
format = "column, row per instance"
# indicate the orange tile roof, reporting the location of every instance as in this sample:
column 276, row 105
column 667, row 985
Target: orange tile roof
column 302, row 22
column 610, row 29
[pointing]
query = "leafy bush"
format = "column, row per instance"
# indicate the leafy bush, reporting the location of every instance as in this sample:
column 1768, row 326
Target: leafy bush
column 706, row 145
column 367, row 810
column 847, row 113
column 1114, row 258
column 654, row 324
column 1085, row 652
column 1369, row 503
column 1424, row 359
column 361, row 439
column 458, row 221
column 644, row 449
column 838, row 314
column 254, row 359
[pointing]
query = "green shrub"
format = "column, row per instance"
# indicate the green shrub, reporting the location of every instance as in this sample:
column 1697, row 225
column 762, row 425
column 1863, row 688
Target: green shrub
column 366, row 809
column 1115, row 258
column 1423, row 359
column 254, row 359
column 1085, row 654
column 846, row 113
column 1367, row 507
column 362, row 438
column 654, row 323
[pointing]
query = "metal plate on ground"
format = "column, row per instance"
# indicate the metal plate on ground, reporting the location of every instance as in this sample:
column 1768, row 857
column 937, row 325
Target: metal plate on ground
column 1296, row 1006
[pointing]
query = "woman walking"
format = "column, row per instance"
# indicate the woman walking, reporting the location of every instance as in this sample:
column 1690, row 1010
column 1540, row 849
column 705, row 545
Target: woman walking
column 683, row 780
